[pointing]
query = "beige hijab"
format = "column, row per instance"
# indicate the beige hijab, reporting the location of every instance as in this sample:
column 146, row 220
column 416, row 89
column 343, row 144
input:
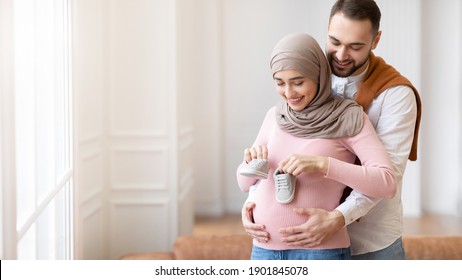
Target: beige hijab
column 326, row 116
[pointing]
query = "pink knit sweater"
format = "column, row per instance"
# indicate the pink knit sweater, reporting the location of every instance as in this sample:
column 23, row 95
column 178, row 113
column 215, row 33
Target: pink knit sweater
column 374, row 178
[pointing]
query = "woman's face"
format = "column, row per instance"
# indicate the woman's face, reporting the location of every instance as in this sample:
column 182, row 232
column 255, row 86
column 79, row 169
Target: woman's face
column 296, row 89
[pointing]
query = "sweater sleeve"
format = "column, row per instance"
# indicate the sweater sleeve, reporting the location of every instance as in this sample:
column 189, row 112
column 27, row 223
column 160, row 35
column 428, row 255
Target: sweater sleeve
column 262, row 140
column 375, row 176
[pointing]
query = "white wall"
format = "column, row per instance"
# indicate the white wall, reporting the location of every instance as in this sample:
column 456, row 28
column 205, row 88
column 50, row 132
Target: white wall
column 206, row 72
column 441, row 121
column 459, row 121
column 134, row 126
column 90, row 140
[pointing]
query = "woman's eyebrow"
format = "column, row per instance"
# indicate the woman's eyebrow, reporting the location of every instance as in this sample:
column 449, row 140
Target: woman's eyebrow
column 296, row 78
column 291, row 79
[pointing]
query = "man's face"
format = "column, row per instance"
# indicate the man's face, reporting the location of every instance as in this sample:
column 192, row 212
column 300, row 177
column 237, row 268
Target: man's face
column 349, row 43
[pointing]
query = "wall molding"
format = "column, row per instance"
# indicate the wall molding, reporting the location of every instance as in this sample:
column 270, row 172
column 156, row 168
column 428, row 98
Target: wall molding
column 155, row 134
column 90, row 197
column 138, row 187
column 90, row 138
column 92, row 208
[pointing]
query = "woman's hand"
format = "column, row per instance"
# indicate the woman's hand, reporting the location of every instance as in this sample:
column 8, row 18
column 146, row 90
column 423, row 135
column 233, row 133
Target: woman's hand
column 297, row 164
column 258, row 152
column 256, row 231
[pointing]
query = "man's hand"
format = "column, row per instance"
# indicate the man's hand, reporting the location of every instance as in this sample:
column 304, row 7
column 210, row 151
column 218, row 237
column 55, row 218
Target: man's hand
column 320, row 225
column 257, row 231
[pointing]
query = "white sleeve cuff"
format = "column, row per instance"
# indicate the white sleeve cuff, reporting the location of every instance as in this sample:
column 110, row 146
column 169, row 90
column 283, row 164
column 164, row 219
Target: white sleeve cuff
column 356, row 205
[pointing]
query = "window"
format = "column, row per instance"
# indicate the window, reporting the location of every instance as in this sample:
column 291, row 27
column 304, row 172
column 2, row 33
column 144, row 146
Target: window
column 43, row 132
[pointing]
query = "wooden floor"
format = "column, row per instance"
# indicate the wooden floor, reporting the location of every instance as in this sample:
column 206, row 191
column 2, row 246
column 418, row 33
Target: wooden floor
column 426, row 225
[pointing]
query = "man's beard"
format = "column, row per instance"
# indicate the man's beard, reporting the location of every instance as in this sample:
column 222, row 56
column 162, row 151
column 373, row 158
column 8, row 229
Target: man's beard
column 345, row 72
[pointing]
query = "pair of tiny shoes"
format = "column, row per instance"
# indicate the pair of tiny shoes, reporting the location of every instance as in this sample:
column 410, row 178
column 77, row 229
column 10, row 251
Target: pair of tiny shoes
column 284, row 183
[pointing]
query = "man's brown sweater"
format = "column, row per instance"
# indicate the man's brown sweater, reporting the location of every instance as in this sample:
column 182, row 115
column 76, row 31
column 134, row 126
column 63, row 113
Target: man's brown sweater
column 379, row 77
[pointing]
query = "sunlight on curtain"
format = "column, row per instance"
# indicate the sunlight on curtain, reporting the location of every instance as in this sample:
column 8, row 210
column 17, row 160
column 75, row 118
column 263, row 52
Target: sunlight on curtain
column 43, row 129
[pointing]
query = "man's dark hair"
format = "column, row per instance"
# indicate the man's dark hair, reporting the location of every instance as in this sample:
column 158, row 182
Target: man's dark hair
column 359, row 10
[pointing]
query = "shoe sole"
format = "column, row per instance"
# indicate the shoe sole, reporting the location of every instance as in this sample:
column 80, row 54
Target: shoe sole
column 287, row 200
column 253, row 173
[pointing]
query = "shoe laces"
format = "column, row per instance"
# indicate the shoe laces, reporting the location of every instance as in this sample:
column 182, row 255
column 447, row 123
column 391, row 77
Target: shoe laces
column 282, row 182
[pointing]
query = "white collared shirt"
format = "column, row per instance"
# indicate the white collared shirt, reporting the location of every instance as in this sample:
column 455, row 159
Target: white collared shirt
column 393, row 115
